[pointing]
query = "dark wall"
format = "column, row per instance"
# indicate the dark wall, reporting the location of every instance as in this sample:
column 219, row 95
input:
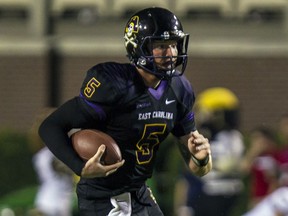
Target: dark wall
column 259, row 82
column 22, row 89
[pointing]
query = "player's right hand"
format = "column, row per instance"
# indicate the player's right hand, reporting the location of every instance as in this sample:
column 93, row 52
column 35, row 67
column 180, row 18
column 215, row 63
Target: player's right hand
column 94, row 168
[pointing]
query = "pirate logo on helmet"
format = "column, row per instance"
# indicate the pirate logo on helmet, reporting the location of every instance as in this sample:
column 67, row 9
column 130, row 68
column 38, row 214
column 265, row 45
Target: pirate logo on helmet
column 130, row 31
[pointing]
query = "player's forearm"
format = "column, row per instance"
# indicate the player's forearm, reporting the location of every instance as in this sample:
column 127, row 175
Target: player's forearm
column 58, row 143
column 54, row 133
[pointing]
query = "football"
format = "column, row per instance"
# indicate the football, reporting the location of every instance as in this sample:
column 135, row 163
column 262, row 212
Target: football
column 86, row 143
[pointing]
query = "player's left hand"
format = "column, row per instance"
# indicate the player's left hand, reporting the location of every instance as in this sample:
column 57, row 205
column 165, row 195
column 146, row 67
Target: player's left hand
column 198, row 145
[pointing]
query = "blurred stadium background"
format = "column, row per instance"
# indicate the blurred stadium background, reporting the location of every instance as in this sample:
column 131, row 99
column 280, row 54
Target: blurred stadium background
column 46, row 46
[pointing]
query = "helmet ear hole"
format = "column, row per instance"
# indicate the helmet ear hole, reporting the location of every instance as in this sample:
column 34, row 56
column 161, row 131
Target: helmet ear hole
column 141, row 61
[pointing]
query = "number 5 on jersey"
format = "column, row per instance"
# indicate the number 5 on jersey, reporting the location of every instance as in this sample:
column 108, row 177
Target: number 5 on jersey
column 91, row 87
column 150, row 139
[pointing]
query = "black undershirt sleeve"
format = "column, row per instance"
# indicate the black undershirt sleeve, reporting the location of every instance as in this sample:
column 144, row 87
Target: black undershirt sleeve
column 54, row 132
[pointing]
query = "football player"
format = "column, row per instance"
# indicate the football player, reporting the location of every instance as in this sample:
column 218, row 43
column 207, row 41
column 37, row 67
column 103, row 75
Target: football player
column 138, row 104
column 274, row 204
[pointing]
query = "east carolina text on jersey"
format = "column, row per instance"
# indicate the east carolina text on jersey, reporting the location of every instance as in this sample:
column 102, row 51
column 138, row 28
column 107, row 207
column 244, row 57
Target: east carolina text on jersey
column 155, row 114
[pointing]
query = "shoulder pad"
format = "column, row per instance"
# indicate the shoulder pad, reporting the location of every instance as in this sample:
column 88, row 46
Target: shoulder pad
column 183, row 90
column 104, row 83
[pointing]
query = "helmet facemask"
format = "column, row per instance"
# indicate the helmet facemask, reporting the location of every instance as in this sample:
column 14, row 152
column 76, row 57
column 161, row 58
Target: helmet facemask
column 147, row 61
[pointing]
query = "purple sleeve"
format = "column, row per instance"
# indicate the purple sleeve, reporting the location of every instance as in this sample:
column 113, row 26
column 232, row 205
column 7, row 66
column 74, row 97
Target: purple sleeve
column 185, row 126
column 186, row 120
column 54, row 131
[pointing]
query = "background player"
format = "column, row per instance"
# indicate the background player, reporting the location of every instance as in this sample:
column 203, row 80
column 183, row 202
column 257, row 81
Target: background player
column 218, row 111
column 139, row 104
column 274, row 204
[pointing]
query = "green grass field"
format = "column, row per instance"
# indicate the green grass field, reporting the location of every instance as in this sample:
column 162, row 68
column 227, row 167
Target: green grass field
column 19, row 201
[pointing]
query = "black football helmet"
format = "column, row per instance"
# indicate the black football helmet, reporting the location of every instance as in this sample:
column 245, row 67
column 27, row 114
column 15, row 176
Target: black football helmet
column 158, row 24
